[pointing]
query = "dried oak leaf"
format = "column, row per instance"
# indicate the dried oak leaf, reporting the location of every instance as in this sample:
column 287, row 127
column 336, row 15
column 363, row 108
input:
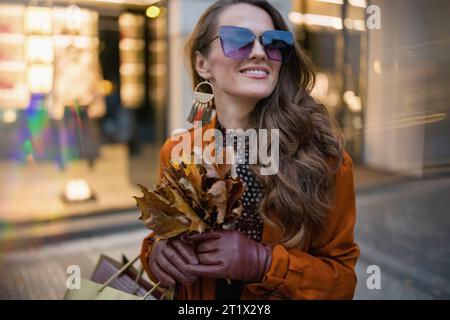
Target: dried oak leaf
column 217, row 171
column 165, row 226
column 167, row 213
column 195, row 174
column 218, row 198
column 235, row 190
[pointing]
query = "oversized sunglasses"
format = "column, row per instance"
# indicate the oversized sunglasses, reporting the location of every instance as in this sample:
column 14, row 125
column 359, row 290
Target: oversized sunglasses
column 237, row 43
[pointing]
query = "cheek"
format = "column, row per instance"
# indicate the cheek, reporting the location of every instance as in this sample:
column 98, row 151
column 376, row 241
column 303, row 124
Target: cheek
column 224, row 67
column 276, row 67
column 221, row 66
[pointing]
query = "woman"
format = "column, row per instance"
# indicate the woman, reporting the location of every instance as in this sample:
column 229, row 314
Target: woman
column 295, row 238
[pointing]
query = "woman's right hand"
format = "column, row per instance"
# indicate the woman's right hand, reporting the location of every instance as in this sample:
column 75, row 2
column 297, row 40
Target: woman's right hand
column 168, row 261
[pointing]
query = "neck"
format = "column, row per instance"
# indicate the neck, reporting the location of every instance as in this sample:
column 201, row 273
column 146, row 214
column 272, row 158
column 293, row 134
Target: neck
column 232, row 113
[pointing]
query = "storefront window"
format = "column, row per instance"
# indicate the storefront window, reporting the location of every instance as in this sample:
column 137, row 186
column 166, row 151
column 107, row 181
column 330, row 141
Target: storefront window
column 334, row 35
column 82, row 106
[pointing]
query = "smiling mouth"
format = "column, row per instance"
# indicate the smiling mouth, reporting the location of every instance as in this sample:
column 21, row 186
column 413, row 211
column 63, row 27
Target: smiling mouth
column 254, row 71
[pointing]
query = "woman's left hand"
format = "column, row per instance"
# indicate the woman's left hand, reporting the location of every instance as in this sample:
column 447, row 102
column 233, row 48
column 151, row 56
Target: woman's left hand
column 230, row 254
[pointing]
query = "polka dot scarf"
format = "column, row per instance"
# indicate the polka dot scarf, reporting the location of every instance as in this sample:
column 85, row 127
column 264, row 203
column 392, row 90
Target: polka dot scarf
column 249, row 223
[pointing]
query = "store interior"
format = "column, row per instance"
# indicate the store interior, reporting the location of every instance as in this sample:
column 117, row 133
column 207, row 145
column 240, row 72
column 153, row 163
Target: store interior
column 82, row 94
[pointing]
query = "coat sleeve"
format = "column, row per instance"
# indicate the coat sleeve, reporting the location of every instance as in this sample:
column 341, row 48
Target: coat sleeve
column 147, row 243
column 327, row 270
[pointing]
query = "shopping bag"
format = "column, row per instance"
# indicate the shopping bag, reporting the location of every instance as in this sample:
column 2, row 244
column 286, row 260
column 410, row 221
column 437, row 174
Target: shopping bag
column 90, row 290
column 129, row 281
column 123, row 289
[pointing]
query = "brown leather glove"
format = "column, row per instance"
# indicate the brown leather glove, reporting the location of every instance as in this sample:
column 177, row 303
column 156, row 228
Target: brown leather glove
column 230, row 254
column 168, row 260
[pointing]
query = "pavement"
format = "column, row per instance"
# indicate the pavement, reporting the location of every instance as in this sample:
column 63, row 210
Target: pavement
column 40, row 272
column 404, row 228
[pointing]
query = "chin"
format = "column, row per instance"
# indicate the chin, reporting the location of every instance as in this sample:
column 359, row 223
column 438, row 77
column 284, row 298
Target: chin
column 256, row 91
column 256, row 97
column 255, row 94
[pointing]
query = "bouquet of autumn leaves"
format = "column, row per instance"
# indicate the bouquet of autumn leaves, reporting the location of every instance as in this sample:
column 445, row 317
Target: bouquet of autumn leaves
column 191, row 197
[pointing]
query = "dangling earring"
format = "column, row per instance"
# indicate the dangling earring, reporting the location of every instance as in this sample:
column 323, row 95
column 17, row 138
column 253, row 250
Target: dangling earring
column 202, row 105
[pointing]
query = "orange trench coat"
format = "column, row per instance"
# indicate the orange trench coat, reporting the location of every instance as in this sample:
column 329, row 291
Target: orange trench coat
column 320, row 270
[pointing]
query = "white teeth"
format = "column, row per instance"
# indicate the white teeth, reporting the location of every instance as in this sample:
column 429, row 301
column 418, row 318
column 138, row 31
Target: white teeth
column 255, row 72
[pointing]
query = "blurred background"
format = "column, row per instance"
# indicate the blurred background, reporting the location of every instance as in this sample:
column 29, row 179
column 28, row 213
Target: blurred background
column 89, row 90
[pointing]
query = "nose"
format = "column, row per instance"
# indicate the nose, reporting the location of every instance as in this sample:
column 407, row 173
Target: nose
column 257, row 51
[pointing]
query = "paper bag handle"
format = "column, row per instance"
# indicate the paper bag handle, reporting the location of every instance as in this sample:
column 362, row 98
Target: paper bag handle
column 126, row 266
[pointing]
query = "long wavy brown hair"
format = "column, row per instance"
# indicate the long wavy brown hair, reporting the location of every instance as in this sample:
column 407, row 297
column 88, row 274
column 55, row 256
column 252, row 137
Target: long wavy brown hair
column 296, row 199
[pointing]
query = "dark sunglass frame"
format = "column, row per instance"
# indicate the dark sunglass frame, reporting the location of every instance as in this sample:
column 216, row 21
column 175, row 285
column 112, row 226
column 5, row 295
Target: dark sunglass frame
column 282, row 37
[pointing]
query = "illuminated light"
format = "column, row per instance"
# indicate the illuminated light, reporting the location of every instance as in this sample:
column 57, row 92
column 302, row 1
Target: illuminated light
column 40, row 78
column 348, row 95
column 73, row 17
column 335, row 22
column 316, row 20
column 332, row 1
column 353, row 101
column 158, row 70
column 355, row 3
column 359, row 25
column 334, row 98
column 77, row 190
column 153, row 12
column 129, row 2
column 130, row 69
column 157, row 46
column 81, row 42
column 132, row 91
column 129, row 19
column 358, row 3
column 106, row 87
column 12, row 66
column 38, row 20
column 355, row 24
column 348, row 23
column 11, row 38
column 39, row 49
column 321, row 87
column 357, row 122
column 9, row 116
column 377, row 66
column 132, row 95
column 295, row 17
column 131, row 44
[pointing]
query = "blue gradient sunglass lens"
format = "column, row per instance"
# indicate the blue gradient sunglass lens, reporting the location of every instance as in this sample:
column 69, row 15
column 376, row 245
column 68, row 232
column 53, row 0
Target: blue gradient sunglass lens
column 237, row 43
column 278, row 44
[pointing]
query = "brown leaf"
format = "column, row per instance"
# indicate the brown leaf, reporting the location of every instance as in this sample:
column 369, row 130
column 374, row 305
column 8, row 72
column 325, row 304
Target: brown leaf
column 191, row 197
column 235, row 190
column 183, row 207
column 171, row 203
column 158, row 200
column 223, row 169
column 189, row 189
column 163, row 225
column 218, row 192
column 194, row 175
